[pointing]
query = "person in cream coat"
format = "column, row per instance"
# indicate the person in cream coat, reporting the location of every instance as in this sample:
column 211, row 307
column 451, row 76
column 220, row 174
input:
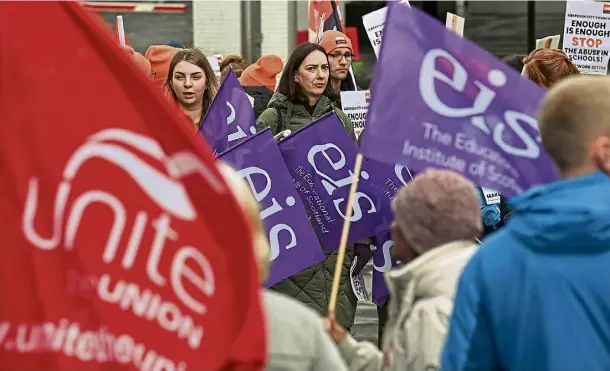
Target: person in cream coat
column 437, row 218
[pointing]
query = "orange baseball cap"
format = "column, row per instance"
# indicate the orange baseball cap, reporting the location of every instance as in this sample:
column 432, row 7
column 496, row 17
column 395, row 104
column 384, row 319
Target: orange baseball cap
column 332, row 40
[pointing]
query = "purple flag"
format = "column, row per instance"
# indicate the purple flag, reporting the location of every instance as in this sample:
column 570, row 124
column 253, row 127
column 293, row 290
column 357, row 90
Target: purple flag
column 320, row 158
column 230, row 118
column 439, row 100
column 382, row 262
column 294, row 246
column 386, row 180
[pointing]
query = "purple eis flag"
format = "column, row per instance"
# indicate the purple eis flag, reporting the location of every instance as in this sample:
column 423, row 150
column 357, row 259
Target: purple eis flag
column 320, row 158
column 294, row 246
column 441, row 101
column 230, row 118
column 382, row 263
column 385, row 180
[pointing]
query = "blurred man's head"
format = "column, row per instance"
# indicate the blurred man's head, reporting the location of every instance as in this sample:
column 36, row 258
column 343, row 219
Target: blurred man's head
column 574, row 122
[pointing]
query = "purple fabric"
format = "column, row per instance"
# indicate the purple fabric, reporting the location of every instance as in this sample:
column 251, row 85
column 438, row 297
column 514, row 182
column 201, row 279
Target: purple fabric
column 294, row 246
column 230, row 118
column 320, row 158
column 382, row 262
column 439, row 100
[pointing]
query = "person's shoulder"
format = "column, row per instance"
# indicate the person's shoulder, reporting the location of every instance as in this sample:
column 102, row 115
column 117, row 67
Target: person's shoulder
column 292, row 310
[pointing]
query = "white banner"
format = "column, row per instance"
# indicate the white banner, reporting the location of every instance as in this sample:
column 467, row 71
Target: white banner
column 356, row 104
column 586, row 37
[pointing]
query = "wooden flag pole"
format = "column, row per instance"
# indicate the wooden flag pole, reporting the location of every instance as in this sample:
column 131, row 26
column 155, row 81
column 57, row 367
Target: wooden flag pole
column 332, row 303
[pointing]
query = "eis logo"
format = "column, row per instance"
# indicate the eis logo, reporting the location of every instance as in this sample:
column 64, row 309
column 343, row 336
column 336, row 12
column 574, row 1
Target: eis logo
column 606, row 8
column 367, row 96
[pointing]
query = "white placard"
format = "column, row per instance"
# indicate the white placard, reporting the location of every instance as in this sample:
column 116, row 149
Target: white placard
column 586, row 36
column 549, row 42
column 374, row 23
column 356, row 105
column 491, row 197
column 455, row 23
column 215, row 63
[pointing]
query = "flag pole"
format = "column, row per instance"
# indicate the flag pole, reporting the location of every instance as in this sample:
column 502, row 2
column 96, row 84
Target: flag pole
column 332, row 303
column 333, row 3
column 121, row 30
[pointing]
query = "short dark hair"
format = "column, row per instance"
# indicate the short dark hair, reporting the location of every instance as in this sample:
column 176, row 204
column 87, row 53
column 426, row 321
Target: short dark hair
column 515, row 61
column 288, row 86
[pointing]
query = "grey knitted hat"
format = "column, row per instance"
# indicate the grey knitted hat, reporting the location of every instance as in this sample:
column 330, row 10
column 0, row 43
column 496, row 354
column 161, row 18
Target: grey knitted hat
column 437, row 207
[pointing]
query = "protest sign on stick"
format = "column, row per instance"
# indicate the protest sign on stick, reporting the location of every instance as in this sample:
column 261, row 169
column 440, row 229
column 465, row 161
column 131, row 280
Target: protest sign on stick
column 356, row 104
column 586, row 36
column 455, row 23
column 373, row 24
column 549, row 42
column 120, row 30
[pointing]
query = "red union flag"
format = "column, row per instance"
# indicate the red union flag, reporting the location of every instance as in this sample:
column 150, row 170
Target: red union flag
column 122, row 248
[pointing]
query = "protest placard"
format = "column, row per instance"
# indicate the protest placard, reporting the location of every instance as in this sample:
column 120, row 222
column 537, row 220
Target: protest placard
column 373, row 24
column 549, row 42
column 586, row 36
column 456, row 109
column 356, row 104
column 294, row 246
column 455, row 23
column 215, row 61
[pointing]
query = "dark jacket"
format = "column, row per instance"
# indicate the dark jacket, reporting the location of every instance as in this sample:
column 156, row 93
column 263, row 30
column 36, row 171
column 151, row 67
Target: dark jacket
column 261, row 96
column 313, row 285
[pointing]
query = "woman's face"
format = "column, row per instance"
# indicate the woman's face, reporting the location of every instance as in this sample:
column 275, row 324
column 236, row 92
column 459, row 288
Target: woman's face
column 188, row 82
column 313, row 73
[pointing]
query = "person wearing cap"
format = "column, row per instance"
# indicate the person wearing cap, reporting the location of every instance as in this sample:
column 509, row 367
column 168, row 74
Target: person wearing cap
column 437, row 218
column 340, row 56
column 160, row 57
column 259, row 80
column 296, row 336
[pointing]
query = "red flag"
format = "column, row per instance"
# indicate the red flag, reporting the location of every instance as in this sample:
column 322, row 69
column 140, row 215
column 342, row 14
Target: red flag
column 122, row 247
column 319, row 9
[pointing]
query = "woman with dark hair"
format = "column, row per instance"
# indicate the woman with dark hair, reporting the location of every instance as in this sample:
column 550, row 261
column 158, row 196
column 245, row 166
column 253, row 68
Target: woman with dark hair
column 302, row 97
column 304, row 93
column 192, row 83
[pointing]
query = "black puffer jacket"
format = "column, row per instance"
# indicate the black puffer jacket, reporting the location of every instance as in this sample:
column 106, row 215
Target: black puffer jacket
column 261, row 96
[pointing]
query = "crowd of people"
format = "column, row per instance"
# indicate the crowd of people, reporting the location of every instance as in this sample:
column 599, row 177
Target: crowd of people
column 532, row 296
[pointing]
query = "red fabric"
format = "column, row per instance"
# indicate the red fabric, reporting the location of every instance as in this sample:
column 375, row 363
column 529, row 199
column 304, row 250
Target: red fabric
column 78, row 117
column 321, row 7
column 352, row 33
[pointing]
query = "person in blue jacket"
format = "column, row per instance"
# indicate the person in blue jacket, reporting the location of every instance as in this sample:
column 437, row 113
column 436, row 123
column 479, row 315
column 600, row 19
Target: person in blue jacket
column 536, row 296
